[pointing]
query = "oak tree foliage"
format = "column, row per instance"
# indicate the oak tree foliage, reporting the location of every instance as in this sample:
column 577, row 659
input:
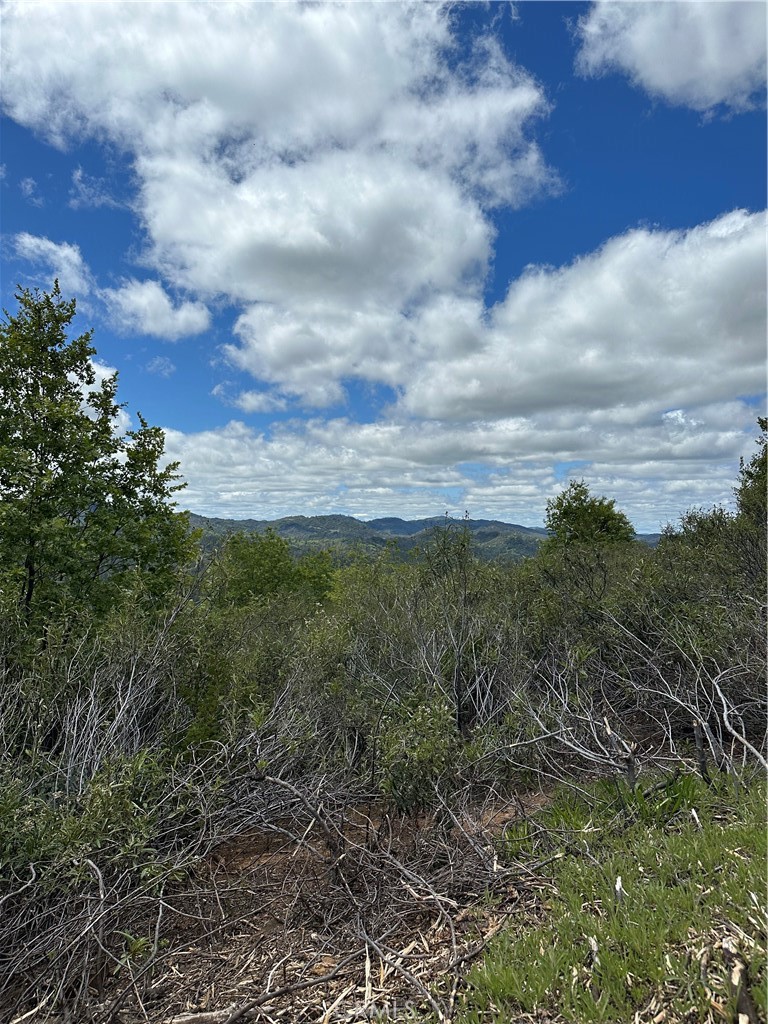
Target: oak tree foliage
column 85, row 508
column 577, row 517
column 253, row 567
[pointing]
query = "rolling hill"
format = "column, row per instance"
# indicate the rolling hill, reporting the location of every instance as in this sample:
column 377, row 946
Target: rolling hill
column 491, row 539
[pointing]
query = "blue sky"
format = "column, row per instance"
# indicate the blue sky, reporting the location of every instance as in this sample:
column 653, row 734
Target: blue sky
column 389, row 259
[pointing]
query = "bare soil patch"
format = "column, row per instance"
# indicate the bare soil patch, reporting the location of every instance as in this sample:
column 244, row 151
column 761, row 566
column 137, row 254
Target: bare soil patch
column 332, row 913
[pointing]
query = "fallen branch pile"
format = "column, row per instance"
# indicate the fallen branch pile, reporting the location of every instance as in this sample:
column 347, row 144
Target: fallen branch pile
column 328, row 911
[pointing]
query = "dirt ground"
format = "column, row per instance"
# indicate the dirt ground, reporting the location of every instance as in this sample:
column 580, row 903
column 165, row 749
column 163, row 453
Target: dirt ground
column 357, row 916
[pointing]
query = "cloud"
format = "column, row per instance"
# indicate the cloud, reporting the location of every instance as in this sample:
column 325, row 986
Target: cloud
column 250, row 401
column 90, row 192
column 144, row 306
column 345, row 226
column 699, row 55
column 61, row 260
column 259, row 401
column 343, row 174
column 502, row 470
column 628, row 363
column 371, row 76
column 30, row 191
column 310, row 349
column 161, row 365
column 653, row 319
column 136, row 306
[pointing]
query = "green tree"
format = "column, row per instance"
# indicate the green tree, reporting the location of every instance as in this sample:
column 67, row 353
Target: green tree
column 84, row 508
column 577, row 517
column 752, row 491
column 253, row 566
column 752, row 505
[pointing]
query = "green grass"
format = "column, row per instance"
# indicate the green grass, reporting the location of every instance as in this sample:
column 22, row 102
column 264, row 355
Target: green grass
column 692, row 863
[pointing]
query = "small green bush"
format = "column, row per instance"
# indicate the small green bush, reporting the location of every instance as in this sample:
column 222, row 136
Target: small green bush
column 418, row 746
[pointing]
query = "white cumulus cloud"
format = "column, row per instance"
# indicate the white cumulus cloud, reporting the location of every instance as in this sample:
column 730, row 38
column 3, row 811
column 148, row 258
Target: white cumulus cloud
column 145, row 306
column 250, row 401
column 326, row 167
column 628, row 365
column 60, row 260
column 661, row 319
column 694, row 54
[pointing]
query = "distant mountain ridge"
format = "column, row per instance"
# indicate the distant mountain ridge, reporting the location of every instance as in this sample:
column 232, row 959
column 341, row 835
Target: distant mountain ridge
column 491, row 539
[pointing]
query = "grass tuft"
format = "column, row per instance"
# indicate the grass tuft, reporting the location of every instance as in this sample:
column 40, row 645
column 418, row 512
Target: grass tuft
column 656, row 899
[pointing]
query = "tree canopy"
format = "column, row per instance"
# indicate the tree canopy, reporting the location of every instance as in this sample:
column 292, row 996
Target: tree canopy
column 259, row 566
column 577, row 517
column 83, row 505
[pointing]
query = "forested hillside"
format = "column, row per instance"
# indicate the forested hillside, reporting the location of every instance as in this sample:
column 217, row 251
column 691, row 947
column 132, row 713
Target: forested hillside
column 347, row 537
column 277, row 784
